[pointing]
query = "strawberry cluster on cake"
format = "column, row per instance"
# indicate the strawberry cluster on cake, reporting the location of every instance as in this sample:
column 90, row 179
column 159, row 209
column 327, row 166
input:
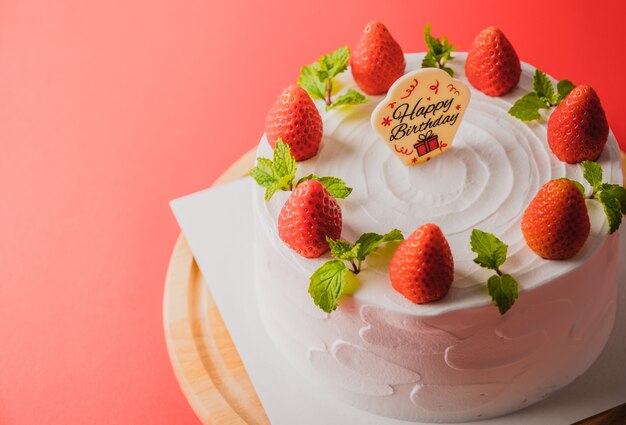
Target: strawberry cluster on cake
column 459, row 289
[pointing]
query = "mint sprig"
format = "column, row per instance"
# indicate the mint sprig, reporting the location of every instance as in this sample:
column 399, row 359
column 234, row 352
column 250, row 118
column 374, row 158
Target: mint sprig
column 611, row 196
column 275, row 174
column 317, row 79
column 503, row 288
column 351, row 97
column 543, row 96
column 439, row 52
column 279, row 173
column 334, row 278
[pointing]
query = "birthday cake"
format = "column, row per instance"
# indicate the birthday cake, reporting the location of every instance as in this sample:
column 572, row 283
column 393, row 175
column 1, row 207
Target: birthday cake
column 382, row 348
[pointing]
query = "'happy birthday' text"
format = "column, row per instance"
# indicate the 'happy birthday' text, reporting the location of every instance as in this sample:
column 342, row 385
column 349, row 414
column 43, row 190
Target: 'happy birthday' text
column 428, row 113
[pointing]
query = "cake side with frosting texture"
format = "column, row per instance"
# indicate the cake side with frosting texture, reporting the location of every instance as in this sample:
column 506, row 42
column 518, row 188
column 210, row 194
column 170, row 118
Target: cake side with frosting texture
column 456, row 359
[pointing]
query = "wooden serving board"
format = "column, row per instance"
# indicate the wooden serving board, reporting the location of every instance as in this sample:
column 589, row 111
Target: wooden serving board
column 204, row 358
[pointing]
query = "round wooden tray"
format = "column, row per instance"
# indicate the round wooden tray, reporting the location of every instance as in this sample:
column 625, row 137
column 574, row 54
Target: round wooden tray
column 203, row 356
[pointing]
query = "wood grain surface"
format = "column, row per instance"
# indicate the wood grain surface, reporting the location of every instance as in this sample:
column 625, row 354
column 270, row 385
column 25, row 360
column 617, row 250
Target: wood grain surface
column 203, row 356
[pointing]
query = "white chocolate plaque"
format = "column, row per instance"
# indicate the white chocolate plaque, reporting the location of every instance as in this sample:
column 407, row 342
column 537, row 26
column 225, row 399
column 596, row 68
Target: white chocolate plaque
column 421, row 113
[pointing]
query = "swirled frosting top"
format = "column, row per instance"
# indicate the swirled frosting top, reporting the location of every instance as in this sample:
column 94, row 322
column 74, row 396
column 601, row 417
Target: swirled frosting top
column 485, row 181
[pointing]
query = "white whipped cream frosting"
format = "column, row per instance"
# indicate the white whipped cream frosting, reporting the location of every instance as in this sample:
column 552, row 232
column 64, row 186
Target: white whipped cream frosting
column 456, row 359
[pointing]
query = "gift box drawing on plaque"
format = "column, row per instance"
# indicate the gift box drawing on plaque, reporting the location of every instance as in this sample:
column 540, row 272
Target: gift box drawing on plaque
column 428, row 142
column 420, row 115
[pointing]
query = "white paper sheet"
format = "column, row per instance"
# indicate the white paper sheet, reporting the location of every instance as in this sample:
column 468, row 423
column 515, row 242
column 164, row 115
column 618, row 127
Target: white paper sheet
column 218, row 225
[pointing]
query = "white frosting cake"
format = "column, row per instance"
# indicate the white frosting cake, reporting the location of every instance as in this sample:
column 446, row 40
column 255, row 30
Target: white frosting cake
column 456, row 359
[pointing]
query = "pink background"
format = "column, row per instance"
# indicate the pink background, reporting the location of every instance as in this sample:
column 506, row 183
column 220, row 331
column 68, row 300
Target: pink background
column 110, row 109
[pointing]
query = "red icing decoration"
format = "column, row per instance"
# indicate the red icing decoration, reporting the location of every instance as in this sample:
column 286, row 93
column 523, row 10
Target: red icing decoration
column 435, row 87
column 410, row 89
column 453, row 89
column 403, row 151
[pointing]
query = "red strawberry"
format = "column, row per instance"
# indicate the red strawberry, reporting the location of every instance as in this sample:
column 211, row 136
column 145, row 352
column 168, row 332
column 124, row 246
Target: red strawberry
column 377, row 60
column 556, row 223
column 577, row 129
column 309, row 215
column 422, row 268
column 295, row 119
column 492, row 66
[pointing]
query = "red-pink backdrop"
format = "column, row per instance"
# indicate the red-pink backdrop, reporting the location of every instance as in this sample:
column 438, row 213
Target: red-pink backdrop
column 110, row 109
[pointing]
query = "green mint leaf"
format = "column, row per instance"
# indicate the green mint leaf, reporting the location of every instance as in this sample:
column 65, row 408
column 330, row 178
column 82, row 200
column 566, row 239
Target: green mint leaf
column 447, row 49
column 263, row 173
column 432, row 43
column 284, row 162
column 277, row 174
column 612, row 209
column 322, row 75
column 335, row 62
column 448, row 70
column 310, row 82
column 327, row 284
column 269, row 192
column 446, row 52
column 617, row 191
column 393, row 235
column 527, row 107
column 592, row 172
column 546, row 100
column 563, row 88
column 340, row 249
column 542, row 85
column 335, row 186
column 308, row 177
column 369, row 242
column 503, row 291
column 577, row 184
column 429, row 61
column 351, row 97
column 438, row 52
column 491, row 250
column 285, row 183
column 315, row 77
